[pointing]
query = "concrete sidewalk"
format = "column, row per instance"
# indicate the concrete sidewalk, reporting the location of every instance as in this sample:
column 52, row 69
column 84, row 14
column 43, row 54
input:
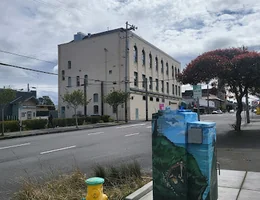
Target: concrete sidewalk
column 10, row 135
column 233, row 185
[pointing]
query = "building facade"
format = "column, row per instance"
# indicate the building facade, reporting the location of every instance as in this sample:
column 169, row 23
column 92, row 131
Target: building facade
column 100, row 60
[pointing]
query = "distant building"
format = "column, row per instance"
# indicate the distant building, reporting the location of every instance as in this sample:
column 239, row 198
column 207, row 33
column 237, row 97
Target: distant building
column 100, row 59
column 23, row 106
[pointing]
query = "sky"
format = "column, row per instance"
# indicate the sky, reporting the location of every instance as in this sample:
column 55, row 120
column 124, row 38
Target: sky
column 182, row 28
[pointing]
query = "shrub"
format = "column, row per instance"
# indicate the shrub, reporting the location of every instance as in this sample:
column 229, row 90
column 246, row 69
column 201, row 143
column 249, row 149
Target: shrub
column 95, row 119
column 34, row 124
column 10, row 126
column 105, row 118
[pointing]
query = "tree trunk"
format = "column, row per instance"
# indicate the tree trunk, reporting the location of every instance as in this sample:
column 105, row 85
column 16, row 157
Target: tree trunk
column 3, row 120
column 76, row 118
column 238, row 114
column 117, row 114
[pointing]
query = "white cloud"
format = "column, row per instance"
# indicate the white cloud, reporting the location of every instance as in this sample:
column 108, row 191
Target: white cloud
column 184, row 29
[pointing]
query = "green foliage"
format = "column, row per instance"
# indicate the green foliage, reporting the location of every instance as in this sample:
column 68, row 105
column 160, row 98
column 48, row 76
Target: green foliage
column 116, row 98
column 10, row 126
column 105, row 118
column 74, row 99
column 6, row 95
column 46, row 100
column 34, row 124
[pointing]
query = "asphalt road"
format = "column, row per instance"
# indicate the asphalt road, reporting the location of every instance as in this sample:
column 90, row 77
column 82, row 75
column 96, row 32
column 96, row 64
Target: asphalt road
column 39, row 156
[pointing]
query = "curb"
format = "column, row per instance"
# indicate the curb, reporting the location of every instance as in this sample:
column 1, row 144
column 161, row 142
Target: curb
column 141, row 192
column 57, row 131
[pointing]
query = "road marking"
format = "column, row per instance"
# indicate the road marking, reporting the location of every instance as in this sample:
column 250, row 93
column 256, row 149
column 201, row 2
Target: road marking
column 133, row 125
column 14, row 146
column 131, row 134
column 61, row 149
column 149, row 127
column 96, row 133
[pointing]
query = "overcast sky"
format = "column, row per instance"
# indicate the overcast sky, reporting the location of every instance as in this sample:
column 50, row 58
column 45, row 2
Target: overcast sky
column 182, row 28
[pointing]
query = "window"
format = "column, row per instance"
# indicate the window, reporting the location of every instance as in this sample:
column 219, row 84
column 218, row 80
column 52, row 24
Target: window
column 29, row 114
column 135, row 78
column 175, row 72
column 63, row 74
column 162, row 66
column 69, row 64
column 69, row 81
column 162, row 86
column 78, row 81
column 157, row 99
column 167, row 87
column 176, row 90
column 110, row 71
column 178, row 71
column 167, row 68
column 86, row 79
column 172, row 71
column 144, row 98
column 143, row 57
column 33, row 114
column 151, row 60
column 135, row 54
column 144, row 80
column 151, row 83
column 163, row 100
column 95, row 108
column 173, row 89
column 95, row 97
column 156, row 63
column 151, row 98
column 156, row 84
column 179, row 90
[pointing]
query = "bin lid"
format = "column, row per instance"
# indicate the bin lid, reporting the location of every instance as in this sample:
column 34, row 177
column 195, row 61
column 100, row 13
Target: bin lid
column 202, row 124
column 95, row 181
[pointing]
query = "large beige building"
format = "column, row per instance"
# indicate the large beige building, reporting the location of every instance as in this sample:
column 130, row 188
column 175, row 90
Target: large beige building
column 100, row 58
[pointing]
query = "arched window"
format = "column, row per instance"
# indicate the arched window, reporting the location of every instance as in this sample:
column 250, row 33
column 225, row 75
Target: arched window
column 151, row 60
column 175, row 72
column 95, row 109
column 156, row 63
column 172, row 71
column 178, row 71
column 95, row 97
column 143, row 57
column 162, row 66
column 135, row 54
column 167, row 68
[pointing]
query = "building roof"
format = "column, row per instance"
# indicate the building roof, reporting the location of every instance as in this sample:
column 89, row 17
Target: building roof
column 89, row 35
column 212, row 97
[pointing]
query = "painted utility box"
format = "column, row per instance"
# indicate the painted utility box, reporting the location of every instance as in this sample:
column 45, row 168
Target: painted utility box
column 182, row 159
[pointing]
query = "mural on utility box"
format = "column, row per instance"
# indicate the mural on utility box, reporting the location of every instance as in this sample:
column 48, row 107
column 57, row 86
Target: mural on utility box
column 179, row 170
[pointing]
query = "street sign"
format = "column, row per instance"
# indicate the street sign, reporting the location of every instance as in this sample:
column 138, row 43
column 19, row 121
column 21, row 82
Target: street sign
column 197, row 92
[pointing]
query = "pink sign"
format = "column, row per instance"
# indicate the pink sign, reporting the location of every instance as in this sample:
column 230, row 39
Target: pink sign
column 161, row 106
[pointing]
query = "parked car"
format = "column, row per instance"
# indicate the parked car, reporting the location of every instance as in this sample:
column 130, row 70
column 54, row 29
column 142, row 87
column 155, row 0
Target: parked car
column 232, row 111
column 217, row 112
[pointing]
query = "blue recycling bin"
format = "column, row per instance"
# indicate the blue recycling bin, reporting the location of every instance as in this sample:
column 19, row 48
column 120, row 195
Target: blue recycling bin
column 182, row 159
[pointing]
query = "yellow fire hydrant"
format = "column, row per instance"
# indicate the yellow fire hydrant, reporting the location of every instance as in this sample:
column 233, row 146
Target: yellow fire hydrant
column 95, row 189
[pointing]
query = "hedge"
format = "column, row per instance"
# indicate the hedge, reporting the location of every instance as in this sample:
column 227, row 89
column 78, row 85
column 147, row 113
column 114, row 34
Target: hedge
column 11, row 126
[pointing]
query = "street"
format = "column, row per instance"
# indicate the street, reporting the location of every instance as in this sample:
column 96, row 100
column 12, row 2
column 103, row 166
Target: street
column 40, row 156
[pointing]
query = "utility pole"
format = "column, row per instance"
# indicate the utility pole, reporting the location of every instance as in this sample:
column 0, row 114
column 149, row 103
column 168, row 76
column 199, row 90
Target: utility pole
column 247, row 109
column 128, row 28
column 198, row 108
column 146, row 99
column 85, row 97
column 102, row 98
column 208, row 97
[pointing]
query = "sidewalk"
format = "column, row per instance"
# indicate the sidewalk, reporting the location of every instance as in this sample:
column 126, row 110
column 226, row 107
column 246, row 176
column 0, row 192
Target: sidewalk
column 234, row 185
column 10, row 135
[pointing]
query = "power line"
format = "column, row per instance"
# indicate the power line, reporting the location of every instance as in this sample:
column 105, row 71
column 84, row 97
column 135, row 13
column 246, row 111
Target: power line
column 30, row 57
column 28, row 69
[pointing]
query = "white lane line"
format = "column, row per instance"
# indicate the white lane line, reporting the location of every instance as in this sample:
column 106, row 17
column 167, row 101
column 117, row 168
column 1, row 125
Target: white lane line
column 133, row 125
column 131, row 134
column 149, row 127
column 14, row 146
column 96, row 133
column 61, row 149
